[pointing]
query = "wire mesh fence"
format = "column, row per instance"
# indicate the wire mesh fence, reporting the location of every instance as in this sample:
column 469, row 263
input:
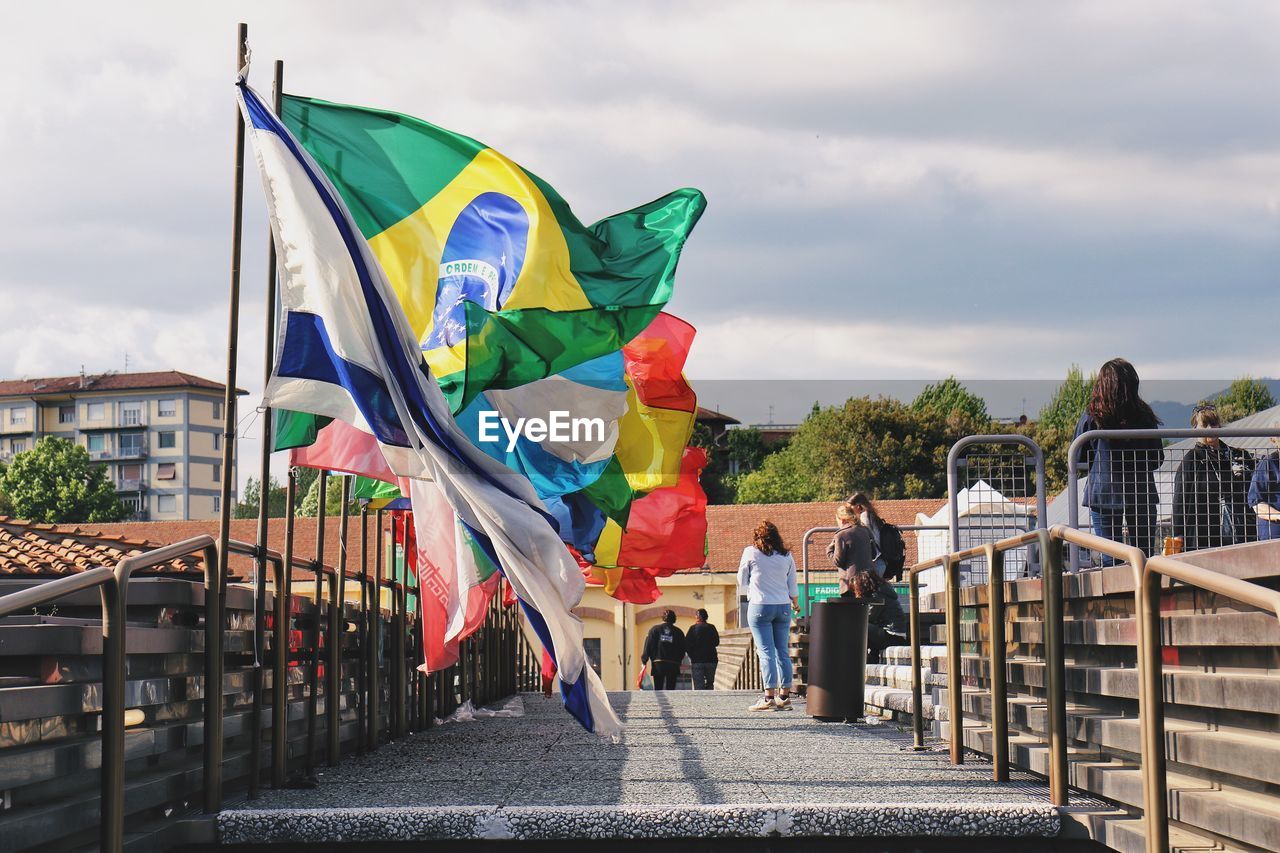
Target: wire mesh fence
column 1171, row 491
column 995, row 491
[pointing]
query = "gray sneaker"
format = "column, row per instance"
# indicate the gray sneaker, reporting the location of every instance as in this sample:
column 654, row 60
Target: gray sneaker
column 782, row 703
column 764, row 703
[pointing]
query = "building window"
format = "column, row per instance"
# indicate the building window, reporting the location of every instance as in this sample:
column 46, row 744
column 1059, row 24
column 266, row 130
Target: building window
column 168, row 408
column 96, row 443
column 97, row 411
column 18, row 446
column 131, row 477
column 132, row 445
column 217, row 441
column 17, row 415
column 130, row 414
column 167, row 471
column 167, row 503
column 217, row 411
column 66, row 414
column 217, row 503
column 133, row 503
column 168, row 440
column 217, row 472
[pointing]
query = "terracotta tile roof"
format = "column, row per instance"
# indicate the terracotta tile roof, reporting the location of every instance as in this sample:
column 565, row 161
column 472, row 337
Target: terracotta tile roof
column 46, row 550
column 714, row 416
column 729, row 527
column 107, row 382
column 245, row 530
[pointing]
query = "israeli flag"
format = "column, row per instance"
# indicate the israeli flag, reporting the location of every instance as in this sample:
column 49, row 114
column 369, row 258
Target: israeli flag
column 345, row 350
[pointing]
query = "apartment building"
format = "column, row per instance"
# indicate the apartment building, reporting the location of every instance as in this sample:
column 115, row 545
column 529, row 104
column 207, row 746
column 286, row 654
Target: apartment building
column 159, row 434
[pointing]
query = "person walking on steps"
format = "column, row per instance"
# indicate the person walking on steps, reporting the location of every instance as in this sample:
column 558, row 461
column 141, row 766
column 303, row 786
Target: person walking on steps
column 664, row 648
column 701, row 643
column 767, row 574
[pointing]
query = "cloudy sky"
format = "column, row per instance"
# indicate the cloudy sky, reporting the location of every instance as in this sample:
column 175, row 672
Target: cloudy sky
column 897, row 190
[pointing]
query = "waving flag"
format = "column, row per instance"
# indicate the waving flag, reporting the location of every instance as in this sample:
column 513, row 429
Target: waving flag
column 347, row 351
column 500, row 282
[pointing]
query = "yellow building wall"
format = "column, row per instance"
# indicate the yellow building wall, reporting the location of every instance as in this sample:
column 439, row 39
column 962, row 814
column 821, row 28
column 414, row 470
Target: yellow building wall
column 621, row 628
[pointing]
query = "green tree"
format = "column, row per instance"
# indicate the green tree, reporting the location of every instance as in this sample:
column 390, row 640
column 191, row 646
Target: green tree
column 248, row 508
column 1244, row 397
column 56, row 483
column 310, row 504
column 950, row 396
column 1055, row 427
column 880, row 446
column 739, row 450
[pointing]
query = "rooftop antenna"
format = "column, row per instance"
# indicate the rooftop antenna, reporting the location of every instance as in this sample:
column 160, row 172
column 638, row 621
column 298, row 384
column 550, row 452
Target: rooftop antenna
column 126, row 361
column 770, row 413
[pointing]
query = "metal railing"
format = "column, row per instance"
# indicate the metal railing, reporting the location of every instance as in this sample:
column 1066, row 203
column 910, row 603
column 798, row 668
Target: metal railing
column 1147, row 574
column 1191, row 490
column 812, row 531
column 113, row 584
column 486, row 671
column 994, row 465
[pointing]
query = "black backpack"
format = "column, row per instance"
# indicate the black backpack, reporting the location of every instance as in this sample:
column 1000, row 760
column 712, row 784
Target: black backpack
column 892, row 550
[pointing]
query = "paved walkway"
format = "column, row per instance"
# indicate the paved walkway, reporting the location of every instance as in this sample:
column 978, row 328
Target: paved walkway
column 690, row 764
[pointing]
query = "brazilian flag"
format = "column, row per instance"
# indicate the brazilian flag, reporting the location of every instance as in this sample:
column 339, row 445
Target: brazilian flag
column 500, row 281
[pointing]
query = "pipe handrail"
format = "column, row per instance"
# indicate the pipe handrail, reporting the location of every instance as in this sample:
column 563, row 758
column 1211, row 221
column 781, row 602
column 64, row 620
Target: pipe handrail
column 1147, row 572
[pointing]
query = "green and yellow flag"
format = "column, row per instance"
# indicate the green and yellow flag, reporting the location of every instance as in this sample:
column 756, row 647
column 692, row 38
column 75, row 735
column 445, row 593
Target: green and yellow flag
column 499, row 279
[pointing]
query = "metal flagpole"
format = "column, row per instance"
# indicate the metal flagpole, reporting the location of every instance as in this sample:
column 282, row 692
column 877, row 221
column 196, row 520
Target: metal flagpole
column 213, row 692
column 264, row 471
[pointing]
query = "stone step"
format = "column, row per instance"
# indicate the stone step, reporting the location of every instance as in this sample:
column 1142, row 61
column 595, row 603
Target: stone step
column 1190, row 629
column 1125, row 833
column 1258, row 692
column 1225, row 810
column 1250, row 755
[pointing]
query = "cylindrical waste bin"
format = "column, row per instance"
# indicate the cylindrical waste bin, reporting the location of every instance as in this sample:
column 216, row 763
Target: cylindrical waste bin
column 837, row 659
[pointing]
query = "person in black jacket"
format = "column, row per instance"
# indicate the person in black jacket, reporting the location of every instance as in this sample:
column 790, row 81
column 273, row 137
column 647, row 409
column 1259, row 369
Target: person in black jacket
column 664, row 649
column 1209, row 491
column 888, row 624
column 701, row 645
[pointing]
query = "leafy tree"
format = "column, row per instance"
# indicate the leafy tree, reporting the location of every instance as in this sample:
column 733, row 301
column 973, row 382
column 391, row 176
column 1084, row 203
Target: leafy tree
column 881, row 446
column 310, row 505
column 1244, row 397
column 55, row 482
column 949, row 396
column 248, row 508
column 745, row 447
column 1056, row 424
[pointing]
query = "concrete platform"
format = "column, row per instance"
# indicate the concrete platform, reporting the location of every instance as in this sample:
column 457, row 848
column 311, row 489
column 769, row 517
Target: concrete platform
column 690, row 765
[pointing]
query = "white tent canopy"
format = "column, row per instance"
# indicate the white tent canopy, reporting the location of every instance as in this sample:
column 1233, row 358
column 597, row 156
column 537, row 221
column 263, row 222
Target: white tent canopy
column 984, row 515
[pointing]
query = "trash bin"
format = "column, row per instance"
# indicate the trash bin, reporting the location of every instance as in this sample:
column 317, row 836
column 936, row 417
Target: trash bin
column 837, row 659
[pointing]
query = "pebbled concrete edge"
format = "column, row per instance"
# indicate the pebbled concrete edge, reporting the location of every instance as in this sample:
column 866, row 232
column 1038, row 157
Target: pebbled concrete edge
column 267, row 826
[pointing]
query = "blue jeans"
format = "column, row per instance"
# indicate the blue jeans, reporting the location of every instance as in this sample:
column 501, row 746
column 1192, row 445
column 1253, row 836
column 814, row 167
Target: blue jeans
column 1133, row 524
column 771, row 627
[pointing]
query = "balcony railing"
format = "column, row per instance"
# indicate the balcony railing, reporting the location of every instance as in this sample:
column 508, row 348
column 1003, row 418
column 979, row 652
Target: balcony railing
column 130, row 485
column 109, row 454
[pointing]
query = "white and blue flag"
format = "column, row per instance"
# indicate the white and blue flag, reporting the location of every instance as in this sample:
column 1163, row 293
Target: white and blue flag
column 345, row 350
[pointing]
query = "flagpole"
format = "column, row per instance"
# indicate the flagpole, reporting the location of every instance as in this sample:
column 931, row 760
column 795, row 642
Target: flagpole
column 213, row 692
column 264, row 471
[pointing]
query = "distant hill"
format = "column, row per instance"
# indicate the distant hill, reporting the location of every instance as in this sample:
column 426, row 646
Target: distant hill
column 1174, row 414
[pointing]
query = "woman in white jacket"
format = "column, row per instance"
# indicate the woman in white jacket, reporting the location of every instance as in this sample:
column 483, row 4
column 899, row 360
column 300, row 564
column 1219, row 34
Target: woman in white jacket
column 767, row 574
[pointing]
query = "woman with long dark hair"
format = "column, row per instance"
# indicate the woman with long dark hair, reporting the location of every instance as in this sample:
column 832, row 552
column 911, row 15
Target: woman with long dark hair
column 767, row 573
column 1121, row 491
